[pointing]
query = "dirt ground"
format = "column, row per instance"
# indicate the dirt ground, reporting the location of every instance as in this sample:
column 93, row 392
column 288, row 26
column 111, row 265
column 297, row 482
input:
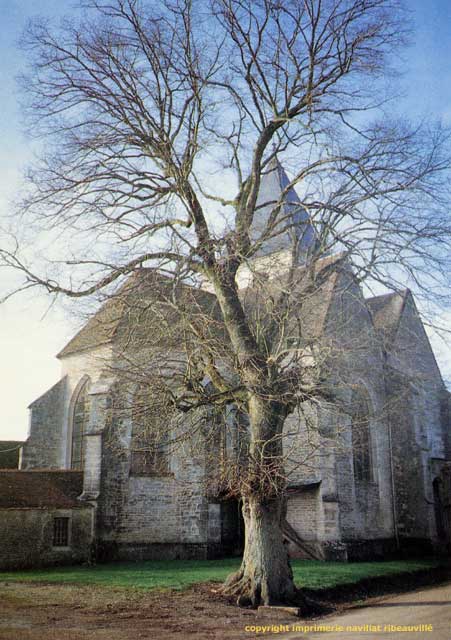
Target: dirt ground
column 32, row 611
column 68, row 612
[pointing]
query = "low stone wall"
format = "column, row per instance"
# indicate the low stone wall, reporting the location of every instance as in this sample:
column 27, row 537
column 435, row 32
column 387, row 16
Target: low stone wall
column 108, row 551
column 386, row 549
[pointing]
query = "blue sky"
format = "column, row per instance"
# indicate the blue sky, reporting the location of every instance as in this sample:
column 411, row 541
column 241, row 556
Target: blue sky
column 31, row 333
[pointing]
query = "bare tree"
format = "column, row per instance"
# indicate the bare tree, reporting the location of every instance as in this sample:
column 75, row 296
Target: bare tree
column 148, row 110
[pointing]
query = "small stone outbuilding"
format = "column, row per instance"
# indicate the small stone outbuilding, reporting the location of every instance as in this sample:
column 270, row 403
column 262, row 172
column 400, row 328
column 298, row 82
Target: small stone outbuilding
column 42, row 522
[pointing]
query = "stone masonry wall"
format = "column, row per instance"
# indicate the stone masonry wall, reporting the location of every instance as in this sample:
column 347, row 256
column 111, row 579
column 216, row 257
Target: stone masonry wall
column 411, row 355
column 303, row 514
column 26, row 537
column 355, row 365
column 78, row 367
column 42, row 450
column 413, row 513
column 150, row 516
column 49, row 442
column 419, row 426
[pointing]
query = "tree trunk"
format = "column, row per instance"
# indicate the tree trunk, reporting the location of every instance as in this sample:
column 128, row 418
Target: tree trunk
column 265, row 575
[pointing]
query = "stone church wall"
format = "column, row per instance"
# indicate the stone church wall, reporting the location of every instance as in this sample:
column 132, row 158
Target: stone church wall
column 418, row 424
column 145, row 517
column 49, row 443
column 356, row 367
column 43, row 448
column 174, row 515
column 412, row 356
column 304, row 515
column 86, row 365
column 410, row 463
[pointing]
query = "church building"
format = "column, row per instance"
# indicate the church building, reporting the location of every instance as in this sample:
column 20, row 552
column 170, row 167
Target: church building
column 372, row 481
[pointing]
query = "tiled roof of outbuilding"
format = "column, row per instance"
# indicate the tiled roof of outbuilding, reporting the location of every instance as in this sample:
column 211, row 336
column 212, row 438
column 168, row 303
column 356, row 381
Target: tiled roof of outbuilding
column 40, row 489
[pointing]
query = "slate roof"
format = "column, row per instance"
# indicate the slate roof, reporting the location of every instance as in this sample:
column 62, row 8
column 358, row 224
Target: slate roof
column 301, row 487
column 316, row 306
column 141, row 300
column 310, row 307
column 100, row 328
column 141, row 313
column 273, row 183
column 40, row 489
column 386, row 311
column 121, row 310
column 142, row 309
column 97, row 331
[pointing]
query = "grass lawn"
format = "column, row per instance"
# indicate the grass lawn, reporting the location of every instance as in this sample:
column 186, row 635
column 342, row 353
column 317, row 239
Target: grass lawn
column 179, row 574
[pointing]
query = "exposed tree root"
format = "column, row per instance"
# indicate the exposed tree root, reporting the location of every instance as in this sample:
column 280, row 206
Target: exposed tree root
column 252, row 592
column 265, row 576
column 249, row 595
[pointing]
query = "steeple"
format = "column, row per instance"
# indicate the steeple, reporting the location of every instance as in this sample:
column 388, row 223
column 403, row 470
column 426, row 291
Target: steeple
column 293, row 223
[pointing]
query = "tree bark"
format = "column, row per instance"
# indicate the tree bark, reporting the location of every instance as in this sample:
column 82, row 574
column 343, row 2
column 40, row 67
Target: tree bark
column 265, row 575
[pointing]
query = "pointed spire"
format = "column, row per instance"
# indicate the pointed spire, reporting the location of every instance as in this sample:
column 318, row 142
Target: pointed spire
column 274, row 182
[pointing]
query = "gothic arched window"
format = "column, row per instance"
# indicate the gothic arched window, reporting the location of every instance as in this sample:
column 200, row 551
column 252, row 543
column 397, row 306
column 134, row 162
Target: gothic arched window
column 361, row 438
column 149, row 442
column 79, row 422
